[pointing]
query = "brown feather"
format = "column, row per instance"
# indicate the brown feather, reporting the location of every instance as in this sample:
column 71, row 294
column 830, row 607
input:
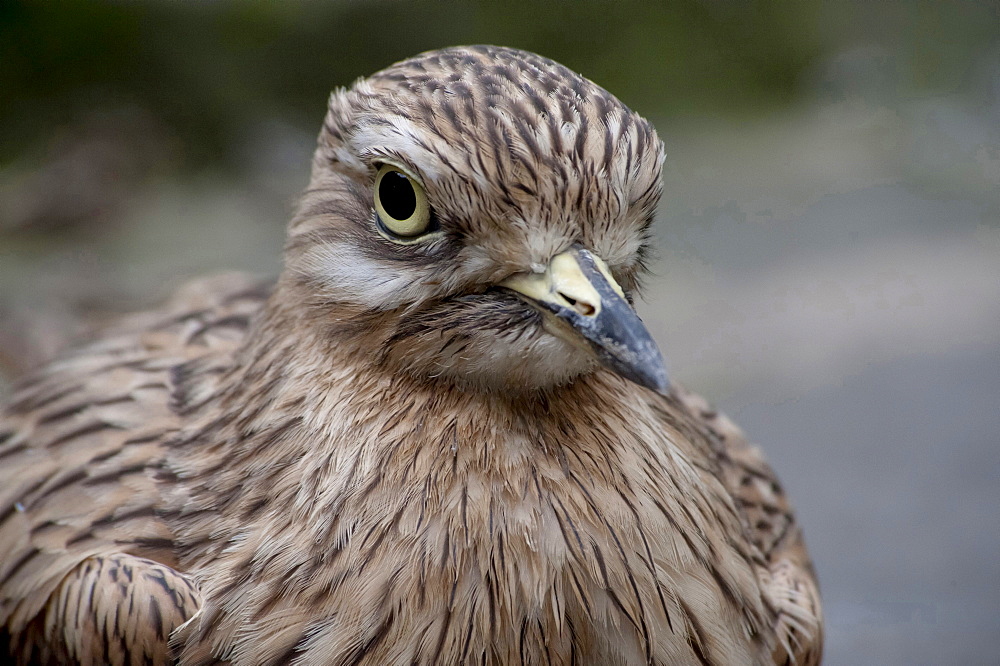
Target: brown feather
column 384, row 459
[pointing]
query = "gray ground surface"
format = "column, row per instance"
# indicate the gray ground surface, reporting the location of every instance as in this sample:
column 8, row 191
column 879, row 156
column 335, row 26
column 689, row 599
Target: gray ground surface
column 829, row 276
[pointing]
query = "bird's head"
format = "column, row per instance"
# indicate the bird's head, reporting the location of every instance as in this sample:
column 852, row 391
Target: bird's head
column 482, row 215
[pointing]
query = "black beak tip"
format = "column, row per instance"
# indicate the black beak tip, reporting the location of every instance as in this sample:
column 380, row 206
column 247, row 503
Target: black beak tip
column 654, row 378
column 648, row 372
column 661, row 384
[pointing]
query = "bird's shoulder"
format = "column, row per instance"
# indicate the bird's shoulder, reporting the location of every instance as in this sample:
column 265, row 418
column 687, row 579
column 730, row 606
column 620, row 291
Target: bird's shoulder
column 784, row 568
column 81, row 439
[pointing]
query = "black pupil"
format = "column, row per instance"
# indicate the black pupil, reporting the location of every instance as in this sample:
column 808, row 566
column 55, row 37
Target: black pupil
column 396, row 194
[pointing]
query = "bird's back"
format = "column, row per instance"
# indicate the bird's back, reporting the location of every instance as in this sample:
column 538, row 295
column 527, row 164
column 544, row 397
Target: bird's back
column 783, row 566
column 82, row 444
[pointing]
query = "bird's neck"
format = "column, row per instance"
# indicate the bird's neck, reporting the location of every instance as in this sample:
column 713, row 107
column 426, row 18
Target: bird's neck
column 359, row 501
column 303, row 427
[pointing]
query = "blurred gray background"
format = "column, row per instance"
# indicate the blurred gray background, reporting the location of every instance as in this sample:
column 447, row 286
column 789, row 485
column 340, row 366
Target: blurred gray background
column 829, row 268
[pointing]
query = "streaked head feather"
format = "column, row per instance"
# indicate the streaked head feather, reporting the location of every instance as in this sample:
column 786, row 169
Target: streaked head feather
column 519, row 157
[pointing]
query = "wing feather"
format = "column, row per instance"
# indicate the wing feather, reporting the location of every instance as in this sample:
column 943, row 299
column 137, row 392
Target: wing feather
column 786, row 574
column 81, row 444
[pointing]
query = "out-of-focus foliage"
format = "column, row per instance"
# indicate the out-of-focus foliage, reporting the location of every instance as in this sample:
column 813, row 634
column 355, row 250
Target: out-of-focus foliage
column 207, row 70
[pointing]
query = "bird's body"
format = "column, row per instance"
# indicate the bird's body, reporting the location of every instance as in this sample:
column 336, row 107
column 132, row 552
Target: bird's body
column 407, row 451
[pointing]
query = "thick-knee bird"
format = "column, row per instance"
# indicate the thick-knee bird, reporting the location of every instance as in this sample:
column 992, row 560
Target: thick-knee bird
column 443, row 436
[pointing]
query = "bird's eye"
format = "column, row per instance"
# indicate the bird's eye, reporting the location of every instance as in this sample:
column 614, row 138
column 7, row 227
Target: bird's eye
column 401, row 205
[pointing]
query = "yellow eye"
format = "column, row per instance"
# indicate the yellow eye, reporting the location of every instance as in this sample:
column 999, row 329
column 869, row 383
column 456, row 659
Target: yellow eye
column 401, row 205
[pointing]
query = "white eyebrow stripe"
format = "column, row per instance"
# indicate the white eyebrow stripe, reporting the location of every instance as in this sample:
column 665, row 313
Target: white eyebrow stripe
column 399, row 137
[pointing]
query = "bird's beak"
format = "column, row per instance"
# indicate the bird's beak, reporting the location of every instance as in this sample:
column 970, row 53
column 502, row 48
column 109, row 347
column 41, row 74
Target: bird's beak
column 577, row 288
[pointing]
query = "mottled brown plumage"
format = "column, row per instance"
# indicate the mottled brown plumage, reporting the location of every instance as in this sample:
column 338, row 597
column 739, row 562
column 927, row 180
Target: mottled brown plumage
column 393, row 455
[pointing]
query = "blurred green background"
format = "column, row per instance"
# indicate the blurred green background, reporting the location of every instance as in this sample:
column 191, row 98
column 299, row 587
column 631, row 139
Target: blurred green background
column 829, row 243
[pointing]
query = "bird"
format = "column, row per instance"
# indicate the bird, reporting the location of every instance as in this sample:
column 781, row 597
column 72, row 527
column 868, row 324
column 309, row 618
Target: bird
column 442, row 435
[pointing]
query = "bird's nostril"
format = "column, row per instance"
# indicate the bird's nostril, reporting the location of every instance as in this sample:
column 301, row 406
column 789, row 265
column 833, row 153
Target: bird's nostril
column 583, row 307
